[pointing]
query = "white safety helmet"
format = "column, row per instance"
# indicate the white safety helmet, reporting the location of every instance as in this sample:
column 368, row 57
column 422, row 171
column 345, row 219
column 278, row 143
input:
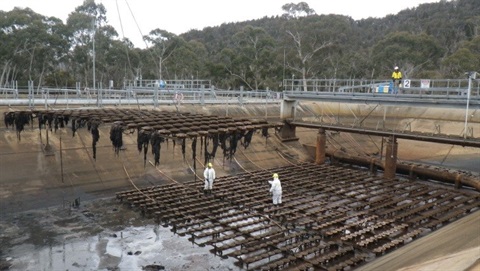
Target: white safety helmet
column 396, row 67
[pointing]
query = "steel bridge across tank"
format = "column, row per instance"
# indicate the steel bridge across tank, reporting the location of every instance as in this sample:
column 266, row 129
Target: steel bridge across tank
column 438, row 92
column 446, row 94
column 419, row 100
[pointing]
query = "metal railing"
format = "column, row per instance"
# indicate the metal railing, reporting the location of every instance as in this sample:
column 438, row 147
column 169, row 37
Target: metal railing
column 151, row 92
column 131, row 96
column 168, row 84
column 409, row 86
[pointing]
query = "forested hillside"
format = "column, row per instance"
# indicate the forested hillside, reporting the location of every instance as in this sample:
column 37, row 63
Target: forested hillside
column 437, row 40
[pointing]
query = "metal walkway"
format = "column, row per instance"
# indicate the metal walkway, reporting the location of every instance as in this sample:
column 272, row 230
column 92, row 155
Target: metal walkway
column 417, row 100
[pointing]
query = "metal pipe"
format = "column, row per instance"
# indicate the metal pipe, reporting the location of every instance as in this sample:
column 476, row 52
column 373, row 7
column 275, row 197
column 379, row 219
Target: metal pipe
column 454, row 177
column 470, row 142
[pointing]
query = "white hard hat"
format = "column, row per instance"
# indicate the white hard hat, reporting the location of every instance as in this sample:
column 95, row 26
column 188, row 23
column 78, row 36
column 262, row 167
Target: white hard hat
column 396, row 67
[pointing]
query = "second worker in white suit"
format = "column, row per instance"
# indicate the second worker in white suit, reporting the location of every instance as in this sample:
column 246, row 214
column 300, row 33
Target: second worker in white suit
column 209, row 175
column 276, row 190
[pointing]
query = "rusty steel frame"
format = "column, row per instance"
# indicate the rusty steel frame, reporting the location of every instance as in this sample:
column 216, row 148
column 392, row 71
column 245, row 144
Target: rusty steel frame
column 332, row 217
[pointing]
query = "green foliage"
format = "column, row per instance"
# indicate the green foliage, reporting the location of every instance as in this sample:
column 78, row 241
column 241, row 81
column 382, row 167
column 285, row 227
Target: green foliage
column 466, row 58
column 296, row 10
column 32, row 46
column 419, row 52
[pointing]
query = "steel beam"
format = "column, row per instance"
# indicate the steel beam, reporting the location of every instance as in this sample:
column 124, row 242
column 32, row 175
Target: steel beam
column 444, row 139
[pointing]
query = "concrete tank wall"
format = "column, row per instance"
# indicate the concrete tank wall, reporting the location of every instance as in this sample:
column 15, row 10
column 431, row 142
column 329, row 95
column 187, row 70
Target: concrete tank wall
column 29, row 176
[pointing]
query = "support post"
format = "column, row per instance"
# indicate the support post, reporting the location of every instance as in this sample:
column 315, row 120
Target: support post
column 321, row 146
column 471, row 76
column 48, row 149
column 391, row 158
column 61, row 158
column 155, row 95
column 287, row 133
column 373, row 166
column 287, row 113
column 240, row 97
column 31, row 95
column 287, row 109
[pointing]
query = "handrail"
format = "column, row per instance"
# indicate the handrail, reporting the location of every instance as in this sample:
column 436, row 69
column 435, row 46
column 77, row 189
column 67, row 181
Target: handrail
column 366, row 86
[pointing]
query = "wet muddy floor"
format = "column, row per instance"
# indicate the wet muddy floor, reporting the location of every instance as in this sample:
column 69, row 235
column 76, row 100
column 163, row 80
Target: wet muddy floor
column 97, row 235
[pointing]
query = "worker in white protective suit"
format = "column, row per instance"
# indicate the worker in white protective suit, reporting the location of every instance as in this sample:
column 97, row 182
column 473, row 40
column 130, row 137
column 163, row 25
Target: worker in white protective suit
column 276, row 190
column 209, row 175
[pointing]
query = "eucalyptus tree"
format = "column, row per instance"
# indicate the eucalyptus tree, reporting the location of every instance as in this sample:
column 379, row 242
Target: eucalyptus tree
column 122, row 61
column 114, row 58
column 250, row 60
column 187, row 60
column 306, row 38
column 472, row 27
column 162, row 45
column 32, row 45
column 86, row 24
column 292, row 10
column 465, row 59
column 338, row 55
column 414, row 53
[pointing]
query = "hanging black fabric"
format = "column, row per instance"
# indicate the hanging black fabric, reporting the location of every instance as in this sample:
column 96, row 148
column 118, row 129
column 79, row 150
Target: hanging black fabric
column 116, row 137
column 95, row 137
column 143, row 139
column 156, row 142
column 212, row 140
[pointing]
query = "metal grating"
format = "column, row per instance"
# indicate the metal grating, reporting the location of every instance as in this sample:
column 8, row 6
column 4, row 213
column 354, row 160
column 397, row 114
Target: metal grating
column 332, row 217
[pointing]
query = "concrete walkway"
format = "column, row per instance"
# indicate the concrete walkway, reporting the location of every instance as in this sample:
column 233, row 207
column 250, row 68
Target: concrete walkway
column 455, row 247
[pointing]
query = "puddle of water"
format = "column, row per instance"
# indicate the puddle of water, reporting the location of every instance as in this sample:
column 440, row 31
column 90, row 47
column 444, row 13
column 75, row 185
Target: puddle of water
column 132, row 249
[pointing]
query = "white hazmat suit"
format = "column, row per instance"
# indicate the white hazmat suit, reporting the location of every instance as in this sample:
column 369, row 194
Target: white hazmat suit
column 209, row 175
column 276, row 190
